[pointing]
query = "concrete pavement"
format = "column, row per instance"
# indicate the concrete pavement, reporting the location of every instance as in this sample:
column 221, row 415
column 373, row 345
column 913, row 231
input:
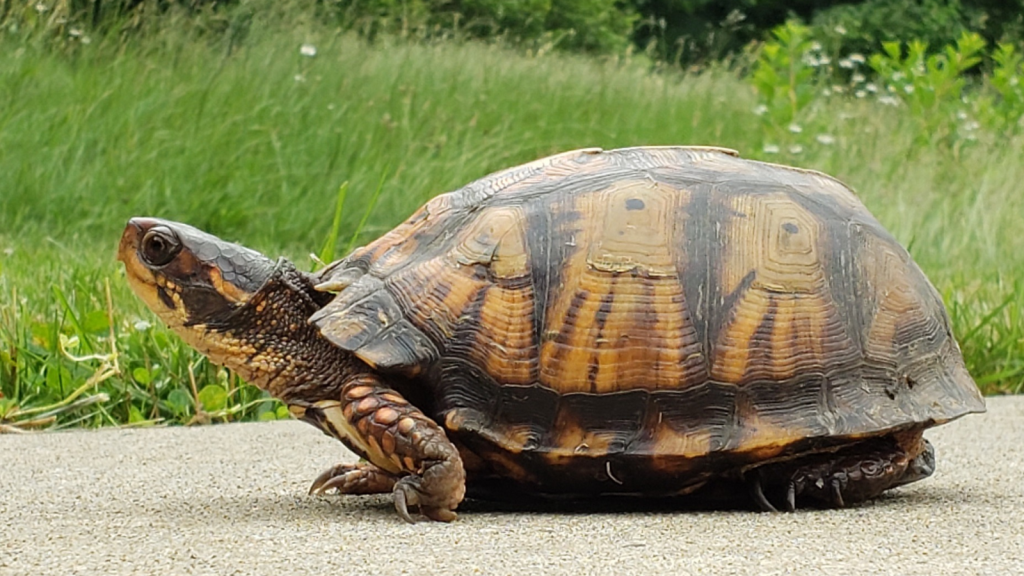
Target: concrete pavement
column 231, row 499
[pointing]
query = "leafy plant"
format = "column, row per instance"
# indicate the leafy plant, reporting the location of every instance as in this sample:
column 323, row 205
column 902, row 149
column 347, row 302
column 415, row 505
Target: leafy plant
column 787, row 76
column 931, row 85
column 1004, row 110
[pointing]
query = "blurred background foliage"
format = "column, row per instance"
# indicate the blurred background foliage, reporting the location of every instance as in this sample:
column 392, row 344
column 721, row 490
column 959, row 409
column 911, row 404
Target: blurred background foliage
column 683, row 32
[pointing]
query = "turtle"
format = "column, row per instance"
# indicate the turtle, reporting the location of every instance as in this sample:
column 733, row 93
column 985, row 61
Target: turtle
column 661, row 321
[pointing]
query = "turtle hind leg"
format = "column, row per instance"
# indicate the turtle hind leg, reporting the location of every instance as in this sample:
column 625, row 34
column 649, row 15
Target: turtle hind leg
column 837, row 479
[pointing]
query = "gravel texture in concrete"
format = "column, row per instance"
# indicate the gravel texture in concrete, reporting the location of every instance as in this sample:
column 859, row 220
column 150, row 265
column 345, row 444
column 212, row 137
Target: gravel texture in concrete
column 232, row 499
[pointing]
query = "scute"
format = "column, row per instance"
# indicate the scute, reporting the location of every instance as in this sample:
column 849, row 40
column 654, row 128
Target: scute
column 664, row 302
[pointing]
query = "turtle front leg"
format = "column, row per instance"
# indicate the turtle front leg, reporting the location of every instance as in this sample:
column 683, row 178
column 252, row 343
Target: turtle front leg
column 410, row 454
column 853, row 475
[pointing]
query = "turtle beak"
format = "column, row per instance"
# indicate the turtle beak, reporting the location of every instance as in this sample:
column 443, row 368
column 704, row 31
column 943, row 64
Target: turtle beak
column 133, row 233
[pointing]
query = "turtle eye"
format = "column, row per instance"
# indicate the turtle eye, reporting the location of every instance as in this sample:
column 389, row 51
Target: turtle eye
column 159, row 246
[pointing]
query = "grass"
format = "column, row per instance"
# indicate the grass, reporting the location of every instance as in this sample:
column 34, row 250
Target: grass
column 252, row 143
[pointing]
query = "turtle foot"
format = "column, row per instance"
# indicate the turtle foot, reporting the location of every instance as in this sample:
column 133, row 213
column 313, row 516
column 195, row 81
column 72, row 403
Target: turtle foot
column 841, row 478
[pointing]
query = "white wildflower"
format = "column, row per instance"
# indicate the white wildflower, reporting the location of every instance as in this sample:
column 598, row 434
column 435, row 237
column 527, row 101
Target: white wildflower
column 839, row 29
column 909, row 88
column 307, row 50
column 826, row 139
column 888, row 101
column 796, row 149
column 846, row 63
column 857, row 78
column 141, row 325
column 860, row 93
column 40, row 7
column 760, row 110
column 300, row 78
column 857, row 58
column 770, row 149
column 871, row 87
column 795, row 128
column 961, row 115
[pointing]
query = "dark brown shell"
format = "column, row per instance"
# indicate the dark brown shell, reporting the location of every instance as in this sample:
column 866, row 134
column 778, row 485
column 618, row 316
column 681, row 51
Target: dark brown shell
column 676, row 303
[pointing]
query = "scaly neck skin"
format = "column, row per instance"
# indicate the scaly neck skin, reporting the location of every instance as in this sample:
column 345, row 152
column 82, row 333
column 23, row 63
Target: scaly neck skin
column 270, row 343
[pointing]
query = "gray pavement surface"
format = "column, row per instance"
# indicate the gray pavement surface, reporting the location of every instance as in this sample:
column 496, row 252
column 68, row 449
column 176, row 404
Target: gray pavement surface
column 231, row 499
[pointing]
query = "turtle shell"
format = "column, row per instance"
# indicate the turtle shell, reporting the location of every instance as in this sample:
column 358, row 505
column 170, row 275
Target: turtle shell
column 666, row 310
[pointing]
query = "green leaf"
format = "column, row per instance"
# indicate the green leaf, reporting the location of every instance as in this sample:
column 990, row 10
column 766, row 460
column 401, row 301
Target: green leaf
column 213, row 397
column 57, row 377
column 142, row 375
column 135, row 415
column 96, row 322
column 179, row 401
column 282, row 412
column 267, row 416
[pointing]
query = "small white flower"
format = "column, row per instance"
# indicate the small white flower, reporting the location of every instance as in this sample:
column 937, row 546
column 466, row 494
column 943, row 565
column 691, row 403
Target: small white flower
column 8, row 251
column 857, row 58
column 888, row 101
column 897, row 76
column 300, row 78
column 816, row 46
column 795, row 128
column 839, row 29
column 860, row 93
column 141, row 325
column 75, row 32
column 972, row 125
column 760, row 109
column 909, row 88
column 826, row 92
column 826, row 139
column 846, row 63
column 796, row 149
column 961, row 115
column 40, row 7
column 838, row 89
column 307, row 50
column 857, row 78
column 871, row 87
column 770, row 149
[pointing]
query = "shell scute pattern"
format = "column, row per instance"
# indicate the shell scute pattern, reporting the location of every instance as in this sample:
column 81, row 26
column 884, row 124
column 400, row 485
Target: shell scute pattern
column 670, row 301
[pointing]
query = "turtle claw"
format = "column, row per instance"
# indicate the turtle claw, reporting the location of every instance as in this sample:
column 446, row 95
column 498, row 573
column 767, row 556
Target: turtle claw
column 791, row 497
column 757, row 493
column 403, row 499
column 318, row 486
column 837, row 493
column 360, row 478
column 408, row 493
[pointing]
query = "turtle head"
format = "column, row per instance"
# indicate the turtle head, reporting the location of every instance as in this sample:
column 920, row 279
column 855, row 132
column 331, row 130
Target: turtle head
column 237, row 306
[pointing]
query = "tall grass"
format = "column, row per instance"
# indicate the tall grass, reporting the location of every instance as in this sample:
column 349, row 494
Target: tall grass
column 252, row 142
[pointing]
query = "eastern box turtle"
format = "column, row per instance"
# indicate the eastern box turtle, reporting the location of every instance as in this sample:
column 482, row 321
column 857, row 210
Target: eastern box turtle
column 648, row 321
